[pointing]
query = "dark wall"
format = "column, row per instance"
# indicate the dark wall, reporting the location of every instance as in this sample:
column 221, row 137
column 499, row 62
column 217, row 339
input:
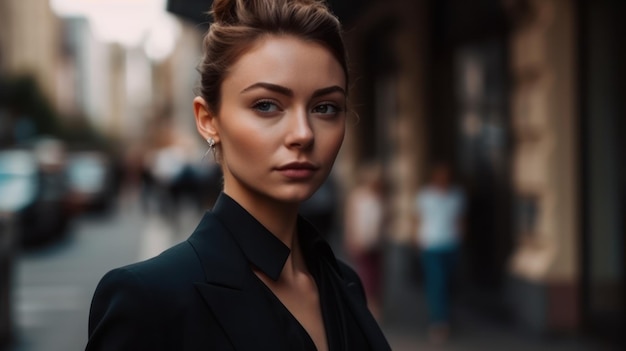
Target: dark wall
column 602, row 82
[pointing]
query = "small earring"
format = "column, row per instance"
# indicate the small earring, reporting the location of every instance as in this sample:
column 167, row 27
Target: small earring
column 211, row 142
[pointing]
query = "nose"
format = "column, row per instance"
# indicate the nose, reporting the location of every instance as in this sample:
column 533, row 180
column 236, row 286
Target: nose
column 300, row 134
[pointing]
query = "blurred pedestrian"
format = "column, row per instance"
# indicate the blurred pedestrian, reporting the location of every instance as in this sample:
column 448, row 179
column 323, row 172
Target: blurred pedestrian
column 254, row 275
column 172, row 170
column 364, row 232
column 439, row 209
column 168, row 164
column 148, row 187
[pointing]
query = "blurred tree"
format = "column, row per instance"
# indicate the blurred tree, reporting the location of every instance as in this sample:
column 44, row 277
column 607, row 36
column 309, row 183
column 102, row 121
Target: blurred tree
column 27, row 113
column 22, row 98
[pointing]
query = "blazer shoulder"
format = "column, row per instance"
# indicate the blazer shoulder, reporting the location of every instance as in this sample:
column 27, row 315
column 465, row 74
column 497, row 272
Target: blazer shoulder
column 351, row 278
column 162, row 278
column 132, row 305
column 347, row 272
column 178, row 264
column 121, row 310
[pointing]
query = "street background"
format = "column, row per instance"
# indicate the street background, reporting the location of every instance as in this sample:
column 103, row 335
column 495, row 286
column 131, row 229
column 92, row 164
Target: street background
column 101, row 165
column 54, row 286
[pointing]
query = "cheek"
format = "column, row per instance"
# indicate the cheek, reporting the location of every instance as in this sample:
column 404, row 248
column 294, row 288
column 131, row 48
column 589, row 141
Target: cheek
column 247, row 141
column 245, row 145
column 331, row 141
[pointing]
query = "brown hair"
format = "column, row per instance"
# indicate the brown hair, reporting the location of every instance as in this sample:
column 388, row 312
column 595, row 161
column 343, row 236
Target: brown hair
column 237, row 24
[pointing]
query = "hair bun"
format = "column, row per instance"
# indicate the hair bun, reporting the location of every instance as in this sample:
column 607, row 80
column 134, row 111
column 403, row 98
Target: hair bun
column 230, row 12
column 226, row 11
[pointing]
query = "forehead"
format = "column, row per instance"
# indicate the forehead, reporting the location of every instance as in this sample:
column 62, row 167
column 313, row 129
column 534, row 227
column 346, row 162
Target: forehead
column 286, row 60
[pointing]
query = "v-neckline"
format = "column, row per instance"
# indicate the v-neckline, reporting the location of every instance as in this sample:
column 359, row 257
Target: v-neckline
column 294, row 319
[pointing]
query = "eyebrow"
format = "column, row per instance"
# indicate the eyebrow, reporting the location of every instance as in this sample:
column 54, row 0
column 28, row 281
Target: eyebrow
column 288, row 92
column 329, row 90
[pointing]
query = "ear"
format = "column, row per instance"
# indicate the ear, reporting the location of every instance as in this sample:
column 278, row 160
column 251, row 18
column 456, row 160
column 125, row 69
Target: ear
column 206, row 121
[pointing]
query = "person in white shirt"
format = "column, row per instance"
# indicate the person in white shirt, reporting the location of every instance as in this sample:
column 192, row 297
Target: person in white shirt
column 439, row 210
column 364, row 221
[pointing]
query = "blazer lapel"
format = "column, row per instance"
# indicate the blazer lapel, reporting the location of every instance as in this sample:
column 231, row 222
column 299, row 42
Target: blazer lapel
column 351, row 293
column 243, row 315
column 366, row 321
column 230, row 292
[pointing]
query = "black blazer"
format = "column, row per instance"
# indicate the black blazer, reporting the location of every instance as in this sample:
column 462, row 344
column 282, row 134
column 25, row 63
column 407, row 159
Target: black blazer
column 197, row 296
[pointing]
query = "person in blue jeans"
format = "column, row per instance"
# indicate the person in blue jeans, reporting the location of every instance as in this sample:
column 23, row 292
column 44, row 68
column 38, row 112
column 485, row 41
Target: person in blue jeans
column 439, row 210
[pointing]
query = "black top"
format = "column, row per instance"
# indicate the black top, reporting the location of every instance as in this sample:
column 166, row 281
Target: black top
column 203, row 295
column 266, row 252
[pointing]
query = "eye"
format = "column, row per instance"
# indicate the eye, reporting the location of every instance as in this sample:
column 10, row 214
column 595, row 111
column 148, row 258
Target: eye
column 266, row 106
column 326, row 109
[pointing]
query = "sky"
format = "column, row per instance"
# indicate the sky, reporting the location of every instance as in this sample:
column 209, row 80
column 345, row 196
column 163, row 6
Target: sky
column 131, row 23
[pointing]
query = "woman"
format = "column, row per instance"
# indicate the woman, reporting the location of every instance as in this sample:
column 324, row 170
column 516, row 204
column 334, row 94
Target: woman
column 253, row 275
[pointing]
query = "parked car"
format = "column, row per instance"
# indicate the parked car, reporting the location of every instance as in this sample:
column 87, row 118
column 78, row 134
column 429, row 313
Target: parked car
column 18, row 183
column 91, row 181
column 47, row 217
column 18, row 180
column 33, row 185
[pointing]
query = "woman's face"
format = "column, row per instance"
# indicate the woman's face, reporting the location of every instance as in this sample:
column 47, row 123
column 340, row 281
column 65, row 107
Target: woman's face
column 281, row 120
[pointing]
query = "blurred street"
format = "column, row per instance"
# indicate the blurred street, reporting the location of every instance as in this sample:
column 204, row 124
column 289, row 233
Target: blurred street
column 54, row 286
column 521, row 101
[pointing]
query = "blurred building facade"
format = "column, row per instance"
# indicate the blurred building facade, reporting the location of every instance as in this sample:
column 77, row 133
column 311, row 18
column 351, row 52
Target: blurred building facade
column 28, row 48
column 115, row 88
column 523, row 98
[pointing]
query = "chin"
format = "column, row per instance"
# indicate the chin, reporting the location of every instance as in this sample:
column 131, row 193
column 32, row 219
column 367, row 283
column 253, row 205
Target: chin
column 295, row 194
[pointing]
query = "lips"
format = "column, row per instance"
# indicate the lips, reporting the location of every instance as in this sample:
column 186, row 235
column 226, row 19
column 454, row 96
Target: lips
column 298, row 170
column 298, row 165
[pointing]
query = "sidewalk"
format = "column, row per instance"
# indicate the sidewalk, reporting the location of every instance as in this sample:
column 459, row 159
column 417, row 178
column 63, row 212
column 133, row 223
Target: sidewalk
column 405, row 326
column 405, row 316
